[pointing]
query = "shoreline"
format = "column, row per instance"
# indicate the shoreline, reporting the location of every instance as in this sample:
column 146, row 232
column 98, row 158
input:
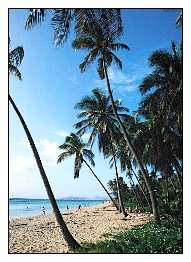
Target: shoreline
column 41, row 234
column 50, row 212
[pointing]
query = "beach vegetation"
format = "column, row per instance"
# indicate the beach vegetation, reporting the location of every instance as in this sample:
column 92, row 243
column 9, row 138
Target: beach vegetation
column 150, row 238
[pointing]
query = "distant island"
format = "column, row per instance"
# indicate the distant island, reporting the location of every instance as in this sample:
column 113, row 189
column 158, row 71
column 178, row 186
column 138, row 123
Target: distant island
column 63, row 198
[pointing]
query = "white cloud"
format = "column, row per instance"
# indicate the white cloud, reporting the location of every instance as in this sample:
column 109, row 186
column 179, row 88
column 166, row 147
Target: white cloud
column 61, row 133
column 21, row 164
column 119, row 81
column 73, row 79
column 117, row 77
column 49, row 152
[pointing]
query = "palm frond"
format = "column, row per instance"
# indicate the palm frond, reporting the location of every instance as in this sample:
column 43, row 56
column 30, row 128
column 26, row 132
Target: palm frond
column 151, row 80
column 61, row 22
column 118, row 46
column 161, row 58
column 116, row 60
column 89, row 155
column 89, row 59
column 15, row 71
column 83, row 43
column 36, row 16
column 63, row 156
column 179, row 20
column 82, row 130
column 16, row 56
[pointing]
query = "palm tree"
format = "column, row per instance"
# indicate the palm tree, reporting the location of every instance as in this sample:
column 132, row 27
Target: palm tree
column 62, row 19
column 162, row 110
column 166, row 81
column 15, row 59
column 101, row 47
column 73, row 145
column 97, row 115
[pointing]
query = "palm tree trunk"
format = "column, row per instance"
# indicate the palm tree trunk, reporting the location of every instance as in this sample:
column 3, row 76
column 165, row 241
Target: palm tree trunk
column 132, row 184
column 71, row 242
column 121, row 206
column 144, row 194
column 167, row 193
column 131, row 147
column 100, row 183
column 178, row 172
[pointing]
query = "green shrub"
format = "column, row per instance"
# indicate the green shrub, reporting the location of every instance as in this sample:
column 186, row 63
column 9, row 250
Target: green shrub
column 148, row 239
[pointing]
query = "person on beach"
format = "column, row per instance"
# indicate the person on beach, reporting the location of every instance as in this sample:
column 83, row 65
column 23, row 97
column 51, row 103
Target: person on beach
column 79, row 207
column 43, row 210
column 67, row 207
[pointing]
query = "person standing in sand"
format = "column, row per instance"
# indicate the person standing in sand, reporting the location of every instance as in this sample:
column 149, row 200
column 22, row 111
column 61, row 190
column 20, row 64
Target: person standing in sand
column 43, row 210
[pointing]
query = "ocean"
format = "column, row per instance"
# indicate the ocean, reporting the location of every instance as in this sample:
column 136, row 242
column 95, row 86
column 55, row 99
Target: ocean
column 32, row 207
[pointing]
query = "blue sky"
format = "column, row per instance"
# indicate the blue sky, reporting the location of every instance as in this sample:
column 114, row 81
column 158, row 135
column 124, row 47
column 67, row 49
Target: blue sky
column 52, row 84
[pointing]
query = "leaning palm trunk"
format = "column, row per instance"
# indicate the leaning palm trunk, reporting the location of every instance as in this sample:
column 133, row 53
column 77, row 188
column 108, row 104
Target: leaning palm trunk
column 121, row 206
column 131, row 147
column 132, row 184
column 71, row 242
column 100, row 183
column 144, row 194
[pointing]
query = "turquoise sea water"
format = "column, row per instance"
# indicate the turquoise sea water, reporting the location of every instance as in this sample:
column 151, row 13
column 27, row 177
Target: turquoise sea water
column 32, row 207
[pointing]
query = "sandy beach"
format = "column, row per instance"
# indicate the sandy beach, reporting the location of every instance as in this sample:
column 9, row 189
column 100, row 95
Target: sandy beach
column 41, row 234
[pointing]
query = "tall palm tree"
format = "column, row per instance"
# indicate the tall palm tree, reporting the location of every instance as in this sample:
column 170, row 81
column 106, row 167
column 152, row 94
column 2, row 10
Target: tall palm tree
column 162, row 110
column 165, row 99
column 102, row 47
column 97, row 115
column 15, row 59
column 73, row 145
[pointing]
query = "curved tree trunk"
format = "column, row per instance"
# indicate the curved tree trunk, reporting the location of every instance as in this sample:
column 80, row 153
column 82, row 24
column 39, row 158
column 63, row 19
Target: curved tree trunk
column 71, row 242
column 100, row 183
column 144, row 194
column 131, row 147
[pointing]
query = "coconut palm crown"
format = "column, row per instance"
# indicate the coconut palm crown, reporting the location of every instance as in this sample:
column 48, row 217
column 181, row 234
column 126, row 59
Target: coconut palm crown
column 15, row 58
column 100, row 46
column 97, row 115
column 73, row 145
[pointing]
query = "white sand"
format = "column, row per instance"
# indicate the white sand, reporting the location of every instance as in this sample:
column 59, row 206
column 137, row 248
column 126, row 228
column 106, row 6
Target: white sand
column 41, row 234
